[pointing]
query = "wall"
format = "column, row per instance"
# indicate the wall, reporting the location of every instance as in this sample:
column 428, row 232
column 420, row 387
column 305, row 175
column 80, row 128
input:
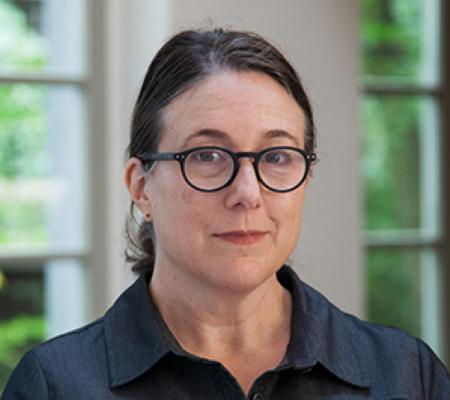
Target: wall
column 321, row 39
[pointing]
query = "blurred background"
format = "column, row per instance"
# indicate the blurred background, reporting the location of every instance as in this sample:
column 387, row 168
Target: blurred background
column 376, row 230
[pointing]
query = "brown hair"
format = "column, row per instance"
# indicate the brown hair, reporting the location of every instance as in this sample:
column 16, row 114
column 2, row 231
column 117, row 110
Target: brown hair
column 187, row 58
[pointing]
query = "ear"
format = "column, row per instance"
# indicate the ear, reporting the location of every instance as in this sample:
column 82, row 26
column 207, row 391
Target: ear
column 135, row 181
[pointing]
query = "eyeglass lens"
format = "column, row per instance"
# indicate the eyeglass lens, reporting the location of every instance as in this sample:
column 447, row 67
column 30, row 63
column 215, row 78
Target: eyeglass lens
column 279, row 169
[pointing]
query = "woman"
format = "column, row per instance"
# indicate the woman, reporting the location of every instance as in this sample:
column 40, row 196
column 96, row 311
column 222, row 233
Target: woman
column 222, row 145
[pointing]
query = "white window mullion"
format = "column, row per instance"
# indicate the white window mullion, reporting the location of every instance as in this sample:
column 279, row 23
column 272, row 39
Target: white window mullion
column 431, row 311
column 65, row 299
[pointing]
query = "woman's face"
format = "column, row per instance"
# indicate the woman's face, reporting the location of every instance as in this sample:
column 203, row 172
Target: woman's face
column 238, row 237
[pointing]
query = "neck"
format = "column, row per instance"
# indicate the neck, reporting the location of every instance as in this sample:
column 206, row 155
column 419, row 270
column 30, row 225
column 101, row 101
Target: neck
column 216, row 324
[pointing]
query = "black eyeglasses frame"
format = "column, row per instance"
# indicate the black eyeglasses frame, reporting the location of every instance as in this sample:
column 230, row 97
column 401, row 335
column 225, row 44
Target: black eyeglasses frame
column 147, row 160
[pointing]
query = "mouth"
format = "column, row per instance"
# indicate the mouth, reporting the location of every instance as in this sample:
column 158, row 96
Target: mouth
column 242, row 237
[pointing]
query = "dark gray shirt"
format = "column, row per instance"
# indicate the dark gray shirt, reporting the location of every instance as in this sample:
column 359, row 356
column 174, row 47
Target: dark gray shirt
column 130, row 354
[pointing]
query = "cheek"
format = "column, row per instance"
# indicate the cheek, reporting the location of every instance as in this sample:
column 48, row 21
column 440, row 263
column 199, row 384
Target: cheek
column 289, row 213
column 178, row 210
column 192, row 208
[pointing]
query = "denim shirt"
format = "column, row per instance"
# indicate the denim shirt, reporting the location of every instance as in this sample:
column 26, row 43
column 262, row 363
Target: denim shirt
column 129, row 353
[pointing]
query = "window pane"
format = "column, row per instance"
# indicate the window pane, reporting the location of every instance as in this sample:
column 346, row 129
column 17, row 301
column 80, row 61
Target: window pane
column 400, row 163
column 393, row 289
column 22, row 322
column 42, row 35
column 41, row 155
column 35, row 305
column 400, row 40
column 403, row 290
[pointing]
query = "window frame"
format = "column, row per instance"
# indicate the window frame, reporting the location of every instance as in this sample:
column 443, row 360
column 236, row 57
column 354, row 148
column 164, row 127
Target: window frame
column 32, row 260
column 445, row 151
column 439, row 92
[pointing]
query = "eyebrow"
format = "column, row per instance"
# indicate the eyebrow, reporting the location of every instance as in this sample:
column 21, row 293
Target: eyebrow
column 217, row 134
column 206, row 133
column 279, row 133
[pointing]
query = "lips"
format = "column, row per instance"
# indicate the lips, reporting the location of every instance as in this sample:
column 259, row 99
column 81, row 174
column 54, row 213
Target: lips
column 242, row 237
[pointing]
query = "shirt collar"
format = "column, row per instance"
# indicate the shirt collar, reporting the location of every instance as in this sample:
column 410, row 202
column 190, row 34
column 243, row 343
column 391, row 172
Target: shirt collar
column 322, row 334
column 137, row 338
column 135, row 334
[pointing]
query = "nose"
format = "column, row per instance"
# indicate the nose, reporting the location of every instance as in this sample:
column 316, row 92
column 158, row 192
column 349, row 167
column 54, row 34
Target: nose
column 245, row 190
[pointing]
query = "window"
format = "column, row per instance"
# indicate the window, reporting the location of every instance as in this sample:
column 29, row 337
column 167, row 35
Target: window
column 403, row 95
column 43, row 148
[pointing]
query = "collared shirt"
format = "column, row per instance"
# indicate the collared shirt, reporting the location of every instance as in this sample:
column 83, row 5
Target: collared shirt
column 130, row 354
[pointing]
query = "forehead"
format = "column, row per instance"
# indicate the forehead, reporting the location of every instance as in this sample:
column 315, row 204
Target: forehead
column 242, row 106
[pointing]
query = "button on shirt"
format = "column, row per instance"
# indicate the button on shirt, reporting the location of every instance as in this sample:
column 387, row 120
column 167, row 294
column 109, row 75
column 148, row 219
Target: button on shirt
column 130, row 354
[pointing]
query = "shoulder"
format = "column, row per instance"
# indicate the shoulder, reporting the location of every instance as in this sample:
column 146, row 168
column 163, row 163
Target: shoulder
column 382, row 346
column 77, row 356
column 385, row 342
column 392, row 361
column 73, row 347
column 85, row 360
column 391, row 356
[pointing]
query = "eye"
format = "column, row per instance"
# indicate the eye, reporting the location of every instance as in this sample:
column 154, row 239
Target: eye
column 277, row 157
column 208, row 156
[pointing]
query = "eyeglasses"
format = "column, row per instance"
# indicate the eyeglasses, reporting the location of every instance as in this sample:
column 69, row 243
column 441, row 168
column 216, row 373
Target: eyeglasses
column 209, row 169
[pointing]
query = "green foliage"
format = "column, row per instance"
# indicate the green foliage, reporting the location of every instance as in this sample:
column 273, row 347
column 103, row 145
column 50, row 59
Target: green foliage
column 392, row 42
column 393, row 50
column 22, row 324
column 22, row 222
column 16, row 337
column 23, row 137
column 394, row 289
column 23, row 132
column 391, row 162
column 23, row 143
column 22, row 106
column 19, row 45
